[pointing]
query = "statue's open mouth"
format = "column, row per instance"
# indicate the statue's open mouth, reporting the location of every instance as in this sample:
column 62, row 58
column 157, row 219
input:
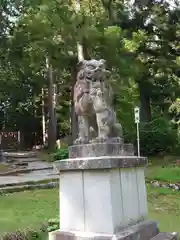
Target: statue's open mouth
column 88, row 77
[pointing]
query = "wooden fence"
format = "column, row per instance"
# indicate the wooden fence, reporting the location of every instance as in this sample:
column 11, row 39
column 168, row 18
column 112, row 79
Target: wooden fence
column 9, row 140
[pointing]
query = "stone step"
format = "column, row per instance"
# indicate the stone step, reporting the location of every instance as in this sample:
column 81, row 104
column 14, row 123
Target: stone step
column 32, row 182
column 29, row 165
column 166, row 236
column 32, row 159
column 40, row 164
column 25, row 171
column 33, row 164
column 26, row 178
column 19, row 188
column 21, row 164
column 29, row 154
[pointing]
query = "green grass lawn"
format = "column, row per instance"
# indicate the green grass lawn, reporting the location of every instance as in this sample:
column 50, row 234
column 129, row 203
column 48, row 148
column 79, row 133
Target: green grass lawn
column 5, row 168
column 27, row 209
column 164, row 207
column 32, row 208
column 163, row 169
column 168, row 174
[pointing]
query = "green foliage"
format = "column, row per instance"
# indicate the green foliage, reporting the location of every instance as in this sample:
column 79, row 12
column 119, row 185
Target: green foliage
column 53, row 224
column 60, row 154
column 156, row 137
column 174, row 110
column 141, row 47
column 25, row 235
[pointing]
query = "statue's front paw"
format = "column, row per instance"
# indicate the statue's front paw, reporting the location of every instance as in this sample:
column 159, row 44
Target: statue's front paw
column 81, row 140
column 100, row 139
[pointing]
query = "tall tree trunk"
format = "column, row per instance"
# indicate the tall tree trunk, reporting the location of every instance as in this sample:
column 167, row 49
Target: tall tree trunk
column 43, row 119
column 82, row 53
column 51, row 106
column 145, row 108
column 54, row 109
column 108, row 9
column 82, row 48
column 74, row 118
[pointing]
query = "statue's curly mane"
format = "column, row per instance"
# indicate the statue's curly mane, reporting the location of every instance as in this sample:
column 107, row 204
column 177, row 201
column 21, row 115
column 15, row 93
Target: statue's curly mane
column 92, row 101
column 91, row 81
column 89, row 73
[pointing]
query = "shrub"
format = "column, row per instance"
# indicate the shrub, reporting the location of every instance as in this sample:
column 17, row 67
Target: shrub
column 25, row 235
column 21, row 235
column 53, row 224
column 60, row 154
column 157, row 137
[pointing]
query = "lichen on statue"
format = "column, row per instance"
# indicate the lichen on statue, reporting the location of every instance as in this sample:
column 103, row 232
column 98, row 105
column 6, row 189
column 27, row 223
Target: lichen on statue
column 93, row 103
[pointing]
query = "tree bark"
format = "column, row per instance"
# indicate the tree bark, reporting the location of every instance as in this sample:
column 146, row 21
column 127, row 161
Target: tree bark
column 52, row 109
column 43, row 119
column 82, row 53
column 74, row 118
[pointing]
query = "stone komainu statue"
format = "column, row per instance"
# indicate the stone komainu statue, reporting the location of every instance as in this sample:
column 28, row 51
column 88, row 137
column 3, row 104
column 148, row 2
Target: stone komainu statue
column 93, row 103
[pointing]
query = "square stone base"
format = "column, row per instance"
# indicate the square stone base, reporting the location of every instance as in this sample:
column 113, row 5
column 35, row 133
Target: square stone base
column 144, row 230
column 102, row 200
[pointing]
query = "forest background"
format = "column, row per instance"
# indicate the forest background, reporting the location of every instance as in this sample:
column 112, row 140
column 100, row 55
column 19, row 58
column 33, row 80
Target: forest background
column 39, row 55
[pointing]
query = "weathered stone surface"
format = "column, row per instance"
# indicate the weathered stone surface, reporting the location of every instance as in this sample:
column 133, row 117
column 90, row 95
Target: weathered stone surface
column 22, row 188
column 25, row 178
column 104, row 162
column 93, row 103
column 2, row 158
column 145, row 230
column 156, row 184
column 28, row 154
column 23, row 171
column 101, row 149
column 166, row 236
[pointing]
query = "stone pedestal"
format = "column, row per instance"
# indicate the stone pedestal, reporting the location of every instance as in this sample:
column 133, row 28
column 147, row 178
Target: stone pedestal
column 101, row 149
column 103, row 196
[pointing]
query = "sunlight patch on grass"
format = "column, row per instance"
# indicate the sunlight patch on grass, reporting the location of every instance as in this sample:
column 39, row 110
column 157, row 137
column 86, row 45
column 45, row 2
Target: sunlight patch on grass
column 163, row 169
column 166, row 174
